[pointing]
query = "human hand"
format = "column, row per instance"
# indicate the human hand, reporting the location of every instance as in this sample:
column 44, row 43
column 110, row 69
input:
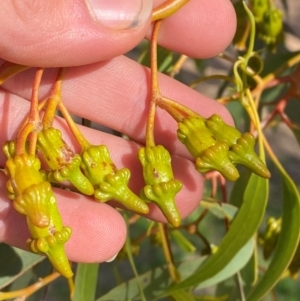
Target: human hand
column 109, row 89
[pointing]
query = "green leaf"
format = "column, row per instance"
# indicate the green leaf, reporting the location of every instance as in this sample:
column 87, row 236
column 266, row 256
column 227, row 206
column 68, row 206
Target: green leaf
column 183, row 295
column 228, row 288
column 182, row 241
column 156, row 281
column 243, row 227
column 15, row 262
column 86, row 281
column 220, row 210
column 276, row 60
column 249, row 273
column 287, row 242
column 237, row 263
column 236, row 196
column 164, row 59
column 131, row 261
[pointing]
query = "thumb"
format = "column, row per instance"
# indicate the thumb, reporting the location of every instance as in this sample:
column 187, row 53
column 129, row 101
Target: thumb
column 57, row 33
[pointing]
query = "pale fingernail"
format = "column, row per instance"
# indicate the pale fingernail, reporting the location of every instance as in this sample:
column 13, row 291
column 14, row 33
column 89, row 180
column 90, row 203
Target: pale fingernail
column 120, row 14
column 112, row 258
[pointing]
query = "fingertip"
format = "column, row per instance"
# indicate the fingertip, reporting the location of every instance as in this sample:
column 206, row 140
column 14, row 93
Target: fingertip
column 223, row 24
column 119, row 15
column 202, row 28
column 56, row 33
column 98, row 230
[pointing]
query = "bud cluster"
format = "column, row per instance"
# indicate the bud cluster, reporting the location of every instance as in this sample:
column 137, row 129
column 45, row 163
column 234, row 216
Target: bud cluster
column 269, row 20
column 218, row 146
column 33, row 197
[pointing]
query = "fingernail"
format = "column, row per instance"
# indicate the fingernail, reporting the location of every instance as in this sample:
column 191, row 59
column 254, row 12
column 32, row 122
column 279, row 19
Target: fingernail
column 112, row 258
column 120, row 14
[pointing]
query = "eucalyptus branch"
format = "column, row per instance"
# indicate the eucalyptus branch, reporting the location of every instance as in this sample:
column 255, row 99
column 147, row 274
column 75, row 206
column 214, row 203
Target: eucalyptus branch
column 28, row 291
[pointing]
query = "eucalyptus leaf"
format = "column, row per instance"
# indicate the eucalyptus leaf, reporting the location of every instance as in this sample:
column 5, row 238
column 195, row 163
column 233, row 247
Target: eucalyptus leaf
column 183, row 295
column 15, row 262
column 236, row 264
column 243, row 228
column 182, row 241
column 86, row 281
column 220, row 210
column 228, row 288
column 249, row 273
column 156, row 281
column 287, row 241
column 236, row 196
column 276, row 60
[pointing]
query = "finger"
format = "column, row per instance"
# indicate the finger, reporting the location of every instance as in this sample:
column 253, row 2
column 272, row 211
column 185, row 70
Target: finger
column 70, row 32
column 116, row 94
column 207, row 27
column 98, row 230
column 200, row 28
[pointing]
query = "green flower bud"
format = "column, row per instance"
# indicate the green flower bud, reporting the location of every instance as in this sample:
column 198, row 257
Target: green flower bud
column 216, row 158
column 72, row 172
column 163, row 195
column 34, row 203
column 222, row 131
column 115, row 186
column 270, row 237
column 156, row 162
column 52, row 245
column 97, row 164
column 23, row 172
column 50, row 240
column 109, row 183
column 272, row 26
column 243, row 153
column 62, row 160
column 55, row 151
column 259, row 8
column 30, row 193
column 194, row 134
column 161, row 188
column 34, row 198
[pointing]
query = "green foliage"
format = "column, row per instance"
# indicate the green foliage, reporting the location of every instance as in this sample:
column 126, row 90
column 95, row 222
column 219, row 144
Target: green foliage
column 232, row 247
column 86, row 282
column 240, row 232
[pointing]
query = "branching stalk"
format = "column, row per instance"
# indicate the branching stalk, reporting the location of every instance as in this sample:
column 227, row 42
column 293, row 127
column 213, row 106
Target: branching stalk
column 172, row 270
column 28, row 291
column 155, row 92
column 33, row 124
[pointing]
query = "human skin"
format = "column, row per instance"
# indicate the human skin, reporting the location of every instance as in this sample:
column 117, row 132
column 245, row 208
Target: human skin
column 110, row 89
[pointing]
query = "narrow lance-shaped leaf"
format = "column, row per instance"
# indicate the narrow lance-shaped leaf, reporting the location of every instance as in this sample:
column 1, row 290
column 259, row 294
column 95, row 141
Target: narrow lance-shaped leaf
column 241, row 231
column 183, row 295
column 156, row 281
column 287, row 241
column 86, row 282
column 14, row 262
